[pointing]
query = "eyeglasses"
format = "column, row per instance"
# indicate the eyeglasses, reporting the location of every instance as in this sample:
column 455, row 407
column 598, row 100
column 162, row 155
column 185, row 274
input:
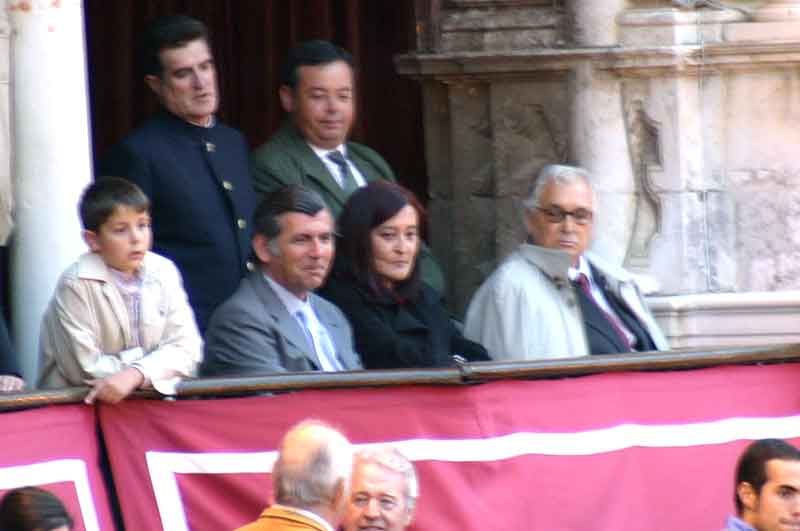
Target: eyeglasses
column 554, row 214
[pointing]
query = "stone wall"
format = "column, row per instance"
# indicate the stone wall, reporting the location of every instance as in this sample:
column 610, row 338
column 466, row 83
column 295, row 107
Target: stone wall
column 686, row 117
column 6, row 192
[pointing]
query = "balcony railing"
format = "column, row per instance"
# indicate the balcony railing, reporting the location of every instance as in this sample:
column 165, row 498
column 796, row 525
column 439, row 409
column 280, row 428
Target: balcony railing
column 465, row 374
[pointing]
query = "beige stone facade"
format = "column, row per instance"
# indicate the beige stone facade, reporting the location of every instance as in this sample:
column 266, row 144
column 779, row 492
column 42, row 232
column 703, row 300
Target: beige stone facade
column 685, row 113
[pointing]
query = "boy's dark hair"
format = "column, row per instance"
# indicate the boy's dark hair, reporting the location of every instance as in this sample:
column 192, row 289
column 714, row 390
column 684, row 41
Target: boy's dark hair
column 752, row 465
column 312, row 53
column 32, row 508
column 291, row 198
column 101, row 198
column 165, row 33
column 367, row 208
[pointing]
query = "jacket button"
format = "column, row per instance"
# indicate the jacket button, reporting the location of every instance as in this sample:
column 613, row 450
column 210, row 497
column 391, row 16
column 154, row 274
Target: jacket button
column 250, row 266
column 241, row 223
column 227, row 185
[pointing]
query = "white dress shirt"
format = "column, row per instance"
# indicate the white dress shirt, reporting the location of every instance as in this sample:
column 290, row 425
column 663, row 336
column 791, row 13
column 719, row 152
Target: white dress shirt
column 334, row 168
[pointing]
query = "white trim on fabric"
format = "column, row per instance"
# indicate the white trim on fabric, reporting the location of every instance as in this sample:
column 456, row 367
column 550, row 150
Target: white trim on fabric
column 164, row 466
column 47, row 472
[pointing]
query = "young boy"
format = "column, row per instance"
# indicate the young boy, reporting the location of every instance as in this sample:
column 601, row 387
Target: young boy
column 119, row 319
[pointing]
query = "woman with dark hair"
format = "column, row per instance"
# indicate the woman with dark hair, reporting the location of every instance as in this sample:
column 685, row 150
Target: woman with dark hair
column 398, row 321
column 33, row 509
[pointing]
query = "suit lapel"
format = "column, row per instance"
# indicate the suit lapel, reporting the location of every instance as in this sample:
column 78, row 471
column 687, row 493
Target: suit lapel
column 598, row 323
column 643, row 341
column 364, row 166
column 314, row 169
column 337, row 333
column 287, row 324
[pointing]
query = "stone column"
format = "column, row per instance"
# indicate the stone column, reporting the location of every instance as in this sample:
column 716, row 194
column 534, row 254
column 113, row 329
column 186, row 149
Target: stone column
column 598, row 140
column 52, row 156
column 594, row 22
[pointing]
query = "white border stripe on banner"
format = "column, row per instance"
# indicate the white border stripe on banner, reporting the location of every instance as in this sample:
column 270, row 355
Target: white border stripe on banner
column 62, row 470
column 164, row 466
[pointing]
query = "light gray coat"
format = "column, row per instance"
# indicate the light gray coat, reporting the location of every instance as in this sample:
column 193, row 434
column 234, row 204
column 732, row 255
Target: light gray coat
column 527, row 309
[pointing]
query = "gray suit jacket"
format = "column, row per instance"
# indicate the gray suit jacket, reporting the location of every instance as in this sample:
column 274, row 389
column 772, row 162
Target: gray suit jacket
column 252, row 332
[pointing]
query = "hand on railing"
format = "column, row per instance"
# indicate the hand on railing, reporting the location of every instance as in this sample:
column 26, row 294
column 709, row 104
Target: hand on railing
column 9, row 384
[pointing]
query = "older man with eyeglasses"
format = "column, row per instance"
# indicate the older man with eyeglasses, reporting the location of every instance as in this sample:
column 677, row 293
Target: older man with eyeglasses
column 553, row 299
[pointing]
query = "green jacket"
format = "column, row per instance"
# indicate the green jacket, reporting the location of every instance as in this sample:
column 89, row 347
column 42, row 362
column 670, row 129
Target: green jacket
column 287, row 159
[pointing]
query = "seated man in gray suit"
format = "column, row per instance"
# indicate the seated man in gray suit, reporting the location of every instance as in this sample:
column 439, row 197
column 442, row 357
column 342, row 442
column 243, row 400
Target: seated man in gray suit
column 274, row 322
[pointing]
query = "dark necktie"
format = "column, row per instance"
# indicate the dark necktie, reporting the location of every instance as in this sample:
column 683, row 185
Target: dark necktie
column 583, row 282
column 348, row 182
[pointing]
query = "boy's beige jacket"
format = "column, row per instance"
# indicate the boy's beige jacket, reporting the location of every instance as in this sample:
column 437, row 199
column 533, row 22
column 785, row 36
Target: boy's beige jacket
column 86, row 332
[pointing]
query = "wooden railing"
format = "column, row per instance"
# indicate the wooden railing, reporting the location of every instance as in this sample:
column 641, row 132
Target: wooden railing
column 469, row 373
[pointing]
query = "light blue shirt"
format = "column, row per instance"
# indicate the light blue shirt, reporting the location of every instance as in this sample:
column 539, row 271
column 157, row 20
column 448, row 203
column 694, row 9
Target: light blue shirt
column 316, row 332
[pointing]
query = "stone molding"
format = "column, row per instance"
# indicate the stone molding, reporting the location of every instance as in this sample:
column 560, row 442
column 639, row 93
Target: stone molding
column 728, row 319
column 625, row 62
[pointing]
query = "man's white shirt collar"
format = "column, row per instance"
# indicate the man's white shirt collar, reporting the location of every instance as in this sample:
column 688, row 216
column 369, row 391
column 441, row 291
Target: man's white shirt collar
column 583, row 267
column 323, row 153
column 334, row 169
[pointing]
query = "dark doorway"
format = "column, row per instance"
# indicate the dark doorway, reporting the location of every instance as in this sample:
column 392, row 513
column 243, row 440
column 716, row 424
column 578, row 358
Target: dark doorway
column 250, row 40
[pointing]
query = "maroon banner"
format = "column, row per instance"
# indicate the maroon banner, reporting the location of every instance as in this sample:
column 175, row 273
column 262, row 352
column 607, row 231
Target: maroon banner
column 633, row 452
column 56, row 448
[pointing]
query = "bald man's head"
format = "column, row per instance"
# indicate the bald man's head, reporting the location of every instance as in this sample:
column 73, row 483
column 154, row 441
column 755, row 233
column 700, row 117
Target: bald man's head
column 313, row 470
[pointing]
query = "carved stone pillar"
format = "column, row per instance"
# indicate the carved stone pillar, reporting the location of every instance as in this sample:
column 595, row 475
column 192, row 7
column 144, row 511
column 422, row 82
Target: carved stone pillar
column 52, row 156
column 594, row 22
column 598, row 140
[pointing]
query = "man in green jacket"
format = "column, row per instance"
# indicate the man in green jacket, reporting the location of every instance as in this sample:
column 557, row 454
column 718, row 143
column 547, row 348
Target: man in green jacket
column 311, row 149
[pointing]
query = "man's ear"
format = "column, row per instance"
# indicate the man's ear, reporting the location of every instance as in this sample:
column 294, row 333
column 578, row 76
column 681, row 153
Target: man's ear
column 90, row 237
column 341, row 497
column 287, row 98
column 409, row 515
column 261, row 248
column 747, row 495
column 154, row 82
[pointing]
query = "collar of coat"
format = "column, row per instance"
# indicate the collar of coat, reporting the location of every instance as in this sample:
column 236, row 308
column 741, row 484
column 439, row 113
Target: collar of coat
column 555, row 263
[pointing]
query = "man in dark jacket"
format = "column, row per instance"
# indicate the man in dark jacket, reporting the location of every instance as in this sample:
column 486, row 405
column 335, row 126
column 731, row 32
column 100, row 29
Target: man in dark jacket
column 194, row 169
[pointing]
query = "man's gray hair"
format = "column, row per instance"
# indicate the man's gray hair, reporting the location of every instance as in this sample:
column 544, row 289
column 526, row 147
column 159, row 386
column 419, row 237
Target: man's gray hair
column 310, row 475
column 555, row 173
column 391, row 458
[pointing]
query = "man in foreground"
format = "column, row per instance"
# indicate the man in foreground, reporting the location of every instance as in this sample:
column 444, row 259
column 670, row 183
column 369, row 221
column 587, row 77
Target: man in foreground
column 767, row 491
column 384, row 491
column 311, row 480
